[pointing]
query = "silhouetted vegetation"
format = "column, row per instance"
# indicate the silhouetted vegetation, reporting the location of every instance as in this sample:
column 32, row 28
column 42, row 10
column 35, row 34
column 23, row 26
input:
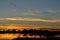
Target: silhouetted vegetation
column 48, row 34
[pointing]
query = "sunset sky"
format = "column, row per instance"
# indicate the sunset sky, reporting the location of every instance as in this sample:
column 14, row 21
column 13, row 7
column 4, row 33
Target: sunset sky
column 42, row 12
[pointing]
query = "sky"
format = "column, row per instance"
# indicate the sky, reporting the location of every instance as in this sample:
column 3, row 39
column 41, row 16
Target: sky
column 30, row 10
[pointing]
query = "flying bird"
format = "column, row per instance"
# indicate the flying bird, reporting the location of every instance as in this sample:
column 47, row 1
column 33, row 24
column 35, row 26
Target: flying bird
column 13, row 5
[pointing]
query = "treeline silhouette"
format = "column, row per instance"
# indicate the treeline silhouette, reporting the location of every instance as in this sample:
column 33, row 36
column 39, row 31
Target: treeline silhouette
column 48, row 34
column 38, row 32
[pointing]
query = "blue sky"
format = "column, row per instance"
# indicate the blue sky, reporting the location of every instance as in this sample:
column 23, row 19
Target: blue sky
column 14, row 8
column 45, row 10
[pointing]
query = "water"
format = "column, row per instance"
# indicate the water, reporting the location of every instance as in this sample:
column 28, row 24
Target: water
column 12, row 36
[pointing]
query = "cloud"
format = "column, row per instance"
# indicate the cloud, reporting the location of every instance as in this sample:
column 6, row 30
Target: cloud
column 53, row 11
column 2, row 18
column 30, row 19
column 38, row 16
column 29, row 12
column 46, row 13
column 14, row 18
column 40, row 13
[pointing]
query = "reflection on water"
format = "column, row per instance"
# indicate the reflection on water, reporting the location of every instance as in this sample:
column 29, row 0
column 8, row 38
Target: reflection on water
column 12, row 36
column 8, row 36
